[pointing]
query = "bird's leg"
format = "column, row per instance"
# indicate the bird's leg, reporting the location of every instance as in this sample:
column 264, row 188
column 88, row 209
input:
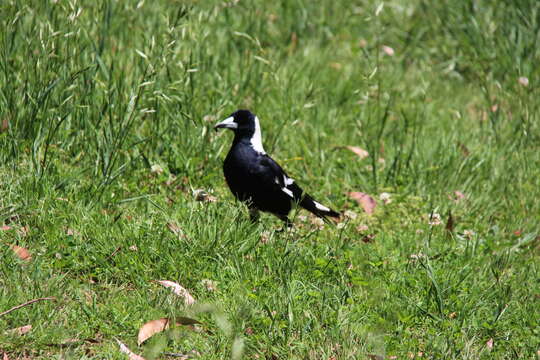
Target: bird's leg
column 253, row 215
column 287, row 224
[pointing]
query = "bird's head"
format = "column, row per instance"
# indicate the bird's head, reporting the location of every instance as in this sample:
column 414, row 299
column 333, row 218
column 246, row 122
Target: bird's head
column 241, row 122
column 246, row 127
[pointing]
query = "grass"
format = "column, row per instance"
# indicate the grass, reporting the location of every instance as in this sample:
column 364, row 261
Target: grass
column 96, row 97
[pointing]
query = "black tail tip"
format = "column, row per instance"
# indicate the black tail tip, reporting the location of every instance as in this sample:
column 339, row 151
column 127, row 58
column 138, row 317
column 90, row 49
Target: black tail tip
column 333, row 213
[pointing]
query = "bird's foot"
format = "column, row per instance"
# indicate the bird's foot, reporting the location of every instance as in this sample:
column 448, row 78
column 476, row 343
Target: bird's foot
column 254, row 215
column 287, row 225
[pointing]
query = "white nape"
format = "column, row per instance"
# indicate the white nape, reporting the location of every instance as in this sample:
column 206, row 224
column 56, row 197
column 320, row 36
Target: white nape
column 256, row 139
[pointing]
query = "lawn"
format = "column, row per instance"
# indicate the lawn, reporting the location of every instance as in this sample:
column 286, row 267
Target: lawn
column 106, row 142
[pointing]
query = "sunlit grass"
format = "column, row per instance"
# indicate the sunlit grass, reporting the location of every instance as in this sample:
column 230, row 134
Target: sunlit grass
column 106, row 116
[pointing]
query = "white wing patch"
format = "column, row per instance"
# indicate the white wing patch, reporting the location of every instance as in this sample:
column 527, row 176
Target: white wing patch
column 287, row 191
column 288, row 181
column 321, row 207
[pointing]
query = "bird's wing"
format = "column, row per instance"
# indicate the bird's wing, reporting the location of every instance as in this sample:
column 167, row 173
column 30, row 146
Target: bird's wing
column 274, row 174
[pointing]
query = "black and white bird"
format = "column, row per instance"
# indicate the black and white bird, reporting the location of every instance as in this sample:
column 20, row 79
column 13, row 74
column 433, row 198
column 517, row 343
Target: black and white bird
column 256, row 179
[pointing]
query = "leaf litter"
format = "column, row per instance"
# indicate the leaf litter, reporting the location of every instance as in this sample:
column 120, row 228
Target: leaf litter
column 178, row 290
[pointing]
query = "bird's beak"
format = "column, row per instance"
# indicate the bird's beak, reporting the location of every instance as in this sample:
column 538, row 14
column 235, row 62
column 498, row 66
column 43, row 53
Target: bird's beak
column 228, row 123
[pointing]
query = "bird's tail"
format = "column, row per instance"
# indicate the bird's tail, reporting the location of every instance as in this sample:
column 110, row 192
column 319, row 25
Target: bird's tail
column 317, row 208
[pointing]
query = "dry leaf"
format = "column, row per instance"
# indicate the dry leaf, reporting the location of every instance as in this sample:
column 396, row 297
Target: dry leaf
column 362, row 154
column 21, row 252
column 131, row 355
column 523, row 81
column 388, row 50
column 175, row 229
column 4, row 127
column 150, row 328
column 362, row 228
column 366, row 201
column 20, row 330
column 71, row 232
column 155, row 326
column 458, row 195
column 178, row 290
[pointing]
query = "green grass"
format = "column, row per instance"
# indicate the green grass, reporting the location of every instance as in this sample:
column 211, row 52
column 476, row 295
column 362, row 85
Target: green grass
column 96, row 93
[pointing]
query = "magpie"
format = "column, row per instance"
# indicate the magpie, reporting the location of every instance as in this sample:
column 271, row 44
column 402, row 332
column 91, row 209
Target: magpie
column 256, row 179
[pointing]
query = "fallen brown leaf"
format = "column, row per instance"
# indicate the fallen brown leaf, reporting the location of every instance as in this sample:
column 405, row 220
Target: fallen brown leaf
column 4, row 127
column 458, row 195
column 366, row 201
column 131, row 355
column 71, row 232
column 178, row 290
column 175, row 229
column 362, row 228
column 362, row 154
column 388, row 50
column 151, row 328
column 21, row 252
column 20, row 330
